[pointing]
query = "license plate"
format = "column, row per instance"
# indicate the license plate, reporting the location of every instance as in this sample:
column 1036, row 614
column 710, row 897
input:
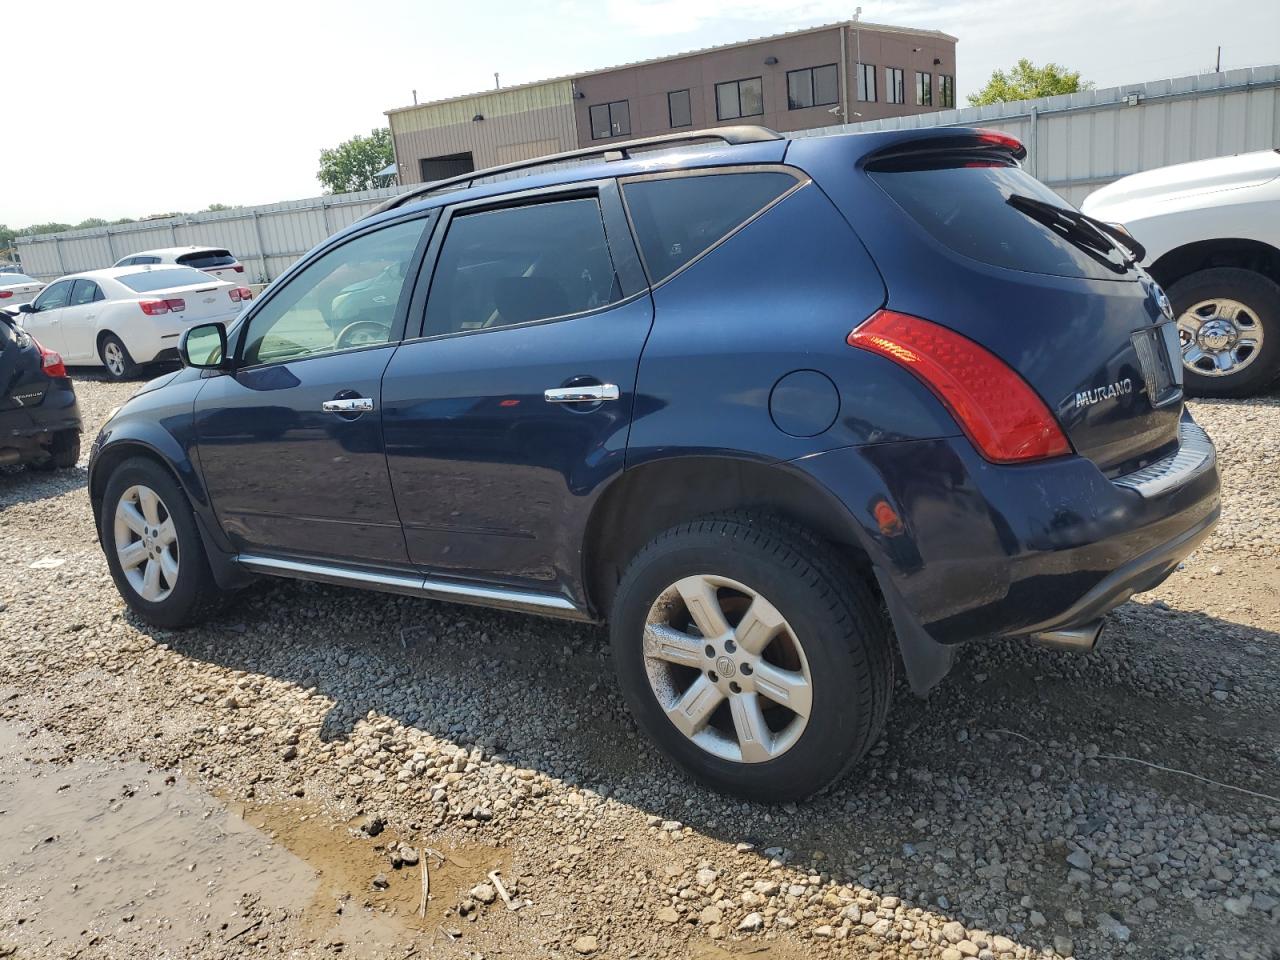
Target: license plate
column 1160, row 356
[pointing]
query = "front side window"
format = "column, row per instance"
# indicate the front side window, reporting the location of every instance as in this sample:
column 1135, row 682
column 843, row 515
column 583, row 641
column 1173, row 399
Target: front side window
column 895, row 92
column 867, row 82
column 678, row 218
column 346, row 298
column 924, row 90
column 813, row 87
column 53, row 297
column 679, row 110
column 739, row 98
column 517, row 265
column 610, row 120
column 946, row 90
column 84, row 291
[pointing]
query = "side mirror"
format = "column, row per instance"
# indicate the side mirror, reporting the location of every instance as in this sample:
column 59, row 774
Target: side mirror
column 26, row 308
column 204, row 347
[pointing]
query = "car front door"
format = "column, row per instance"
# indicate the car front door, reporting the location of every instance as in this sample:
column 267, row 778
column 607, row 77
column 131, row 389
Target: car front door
column 290, row 440
column 79, row 322
column 44, row 320
column 505, row 416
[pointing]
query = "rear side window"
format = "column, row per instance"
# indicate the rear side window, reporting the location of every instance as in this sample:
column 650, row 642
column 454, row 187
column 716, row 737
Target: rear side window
column 84, row 291
column 965, row 205
column 521, row 264
column 163, row 279
column 679, row 218
column 204, row 259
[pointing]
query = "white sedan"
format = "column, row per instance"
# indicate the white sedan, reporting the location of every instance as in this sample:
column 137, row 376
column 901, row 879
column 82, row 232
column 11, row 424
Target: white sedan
column 18, row 288
column 123, row 317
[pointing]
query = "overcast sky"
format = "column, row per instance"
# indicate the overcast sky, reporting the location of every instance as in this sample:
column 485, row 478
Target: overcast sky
column 115, row 109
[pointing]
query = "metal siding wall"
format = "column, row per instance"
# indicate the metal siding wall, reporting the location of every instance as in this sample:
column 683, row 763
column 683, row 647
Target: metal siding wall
column 1085, row 140
column 288, row 230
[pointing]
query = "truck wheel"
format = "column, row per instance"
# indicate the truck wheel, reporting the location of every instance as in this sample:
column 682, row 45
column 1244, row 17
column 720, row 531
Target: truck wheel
column 1229, row 326
column 64, row 451
column 115, row 358
column 753, row 655
column 153, row 548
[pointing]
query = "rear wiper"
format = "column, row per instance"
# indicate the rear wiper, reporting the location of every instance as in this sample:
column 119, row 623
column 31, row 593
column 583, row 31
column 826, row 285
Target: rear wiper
column 1096, row 234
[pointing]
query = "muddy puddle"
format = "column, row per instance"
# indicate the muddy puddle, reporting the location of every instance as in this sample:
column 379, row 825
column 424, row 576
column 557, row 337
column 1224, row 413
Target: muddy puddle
column 119, row 859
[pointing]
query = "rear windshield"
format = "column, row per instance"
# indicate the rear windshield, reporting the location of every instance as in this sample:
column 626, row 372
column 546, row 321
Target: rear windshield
column 148, row 280
column 204, row 259
column 966, row 205
column 7, row 279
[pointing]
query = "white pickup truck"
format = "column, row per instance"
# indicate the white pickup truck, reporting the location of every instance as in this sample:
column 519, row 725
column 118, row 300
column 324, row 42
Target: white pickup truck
column 1211, row 230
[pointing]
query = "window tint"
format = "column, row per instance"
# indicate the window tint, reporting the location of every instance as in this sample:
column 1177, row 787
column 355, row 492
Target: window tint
column 84, row 291
column 867, row 82
column 204, row 259
column 812, row 87
column 610, row 120
column 679, row 111
column 164, row 278
column 346, row 298
column 924, row 90
column 8, row 279
column 895, row 92
column 966, row 208
column 739, row 98
column 501, row 267
column 677, row 218
column 946, row 90
column 53, row 297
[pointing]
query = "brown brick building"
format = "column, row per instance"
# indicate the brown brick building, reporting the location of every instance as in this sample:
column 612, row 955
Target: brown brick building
column 827, row 75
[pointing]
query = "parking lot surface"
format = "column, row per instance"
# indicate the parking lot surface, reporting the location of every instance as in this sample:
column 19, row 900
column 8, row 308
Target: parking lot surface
column 272, row 784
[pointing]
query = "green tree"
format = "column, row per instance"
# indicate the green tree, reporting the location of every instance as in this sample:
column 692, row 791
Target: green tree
column 1026, row 81
column 44, row 228
column 91, row 222
column 351, row 165
column 218, row 207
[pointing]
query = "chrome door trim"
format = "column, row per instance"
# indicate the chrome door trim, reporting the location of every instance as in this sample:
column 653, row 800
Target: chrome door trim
column 587, row 393
column 348, row 405
column 529, row 601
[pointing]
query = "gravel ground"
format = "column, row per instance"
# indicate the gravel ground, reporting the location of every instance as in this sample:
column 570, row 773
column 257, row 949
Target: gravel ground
column 273, row 783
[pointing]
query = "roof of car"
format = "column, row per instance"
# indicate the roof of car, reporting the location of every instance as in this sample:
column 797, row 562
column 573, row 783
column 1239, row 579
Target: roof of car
column 169, row 251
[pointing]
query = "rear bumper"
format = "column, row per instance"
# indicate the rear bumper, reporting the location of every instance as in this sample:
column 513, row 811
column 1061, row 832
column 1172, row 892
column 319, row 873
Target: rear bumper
column 27, row 430
column 983, row 550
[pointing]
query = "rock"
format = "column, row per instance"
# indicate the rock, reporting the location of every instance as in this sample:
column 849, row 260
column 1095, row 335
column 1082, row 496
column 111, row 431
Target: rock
column 1111, row 927
column 954, row 931
column 408, row 855
column 751, row 923
column 668, row 915
column 1080, row 860
column 1063, row 945
column 1037, row 919
column 951, row 953
column 1002, row 944
column 483, row 892
column 706, row 877
column 586, row 945
column 710, row 914
column 967, row 948
column 1238, row 906
column 289, row 753
column 380, row 882
column 825, row 931
column 1073, row 916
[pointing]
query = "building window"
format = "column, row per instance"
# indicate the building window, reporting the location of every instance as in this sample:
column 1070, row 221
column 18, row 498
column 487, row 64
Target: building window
column 924, row 90
column 946, row 90
column 610, row 120
column 867, row 82
column 678, row 110
column 895, row 89
column 442, row 168
column 813, row 87
column 739, row 98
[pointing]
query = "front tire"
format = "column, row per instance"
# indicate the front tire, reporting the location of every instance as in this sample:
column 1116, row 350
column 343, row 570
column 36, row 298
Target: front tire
column 753, row 655
column 153, row 548
column 1229, row 326
column 116, row 359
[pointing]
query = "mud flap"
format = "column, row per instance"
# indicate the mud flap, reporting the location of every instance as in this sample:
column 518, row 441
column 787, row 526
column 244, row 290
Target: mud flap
column 926, row 660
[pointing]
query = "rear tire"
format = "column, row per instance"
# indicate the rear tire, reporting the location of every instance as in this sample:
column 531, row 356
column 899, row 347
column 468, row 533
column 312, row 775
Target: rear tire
column 772, row 713
column 1235, row 306
column 116, row 359
column 153, row 547
column 64, row 451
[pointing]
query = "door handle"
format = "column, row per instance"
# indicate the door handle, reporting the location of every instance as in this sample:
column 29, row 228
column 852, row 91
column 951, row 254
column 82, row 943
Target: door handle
column 348, row 405
column 587, row 393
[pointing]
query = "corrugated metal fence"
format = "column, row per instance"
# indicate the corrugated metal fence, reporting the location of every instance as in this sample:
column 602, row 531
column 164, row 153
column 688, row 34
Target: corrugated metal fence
column 1075, row 143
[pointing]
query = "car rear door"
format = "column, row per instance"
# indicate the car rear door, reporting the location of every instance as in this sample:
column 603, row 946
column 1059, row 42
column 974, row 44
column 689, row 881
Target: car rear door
column 509, row 411
column 290, row 441
column 44, row 322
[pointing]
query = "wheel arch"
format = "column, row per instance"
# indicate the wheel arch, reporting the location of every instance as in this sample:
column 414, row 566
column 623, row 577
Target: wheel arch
column 1240, row 252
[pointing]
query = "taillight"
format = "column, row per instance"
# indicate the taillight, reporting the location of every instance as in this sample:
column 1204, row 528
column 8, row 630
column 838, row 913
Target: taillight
column 5, row 294
column 158, row 308
column 998, row 139
column 238, row 268
column 240, row 293
column 995, row 407
column 50, row 361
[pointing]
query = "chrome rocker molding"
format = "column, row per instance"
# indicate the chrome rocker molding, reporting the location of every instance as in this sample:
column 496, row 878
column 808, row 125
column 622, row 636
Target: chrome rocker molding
column 1194, row 455
column 526, row 601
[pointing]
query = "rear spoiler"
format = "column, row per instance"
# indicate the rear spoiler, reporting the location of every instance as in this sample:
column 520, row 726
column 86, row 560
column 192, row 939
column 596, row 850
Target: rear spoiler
column 921, row 144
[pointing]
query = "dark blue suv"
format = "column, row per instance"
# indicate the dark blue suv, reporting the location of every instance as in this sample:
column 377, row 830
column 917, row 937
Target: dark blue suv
column 780, row 411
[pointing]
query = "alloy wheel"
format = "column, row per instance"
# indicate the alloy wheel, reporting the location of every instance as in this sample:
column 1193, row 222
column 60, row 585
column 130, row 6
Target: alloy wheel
column 146, row 543
column 113, row 357
column 1219, row 337
column 727, row 669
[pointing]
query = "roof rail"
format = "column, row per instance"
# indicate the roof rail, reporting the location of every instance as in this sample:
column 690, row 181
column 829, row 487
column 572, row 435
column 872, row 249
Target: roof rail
column 609, row 151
